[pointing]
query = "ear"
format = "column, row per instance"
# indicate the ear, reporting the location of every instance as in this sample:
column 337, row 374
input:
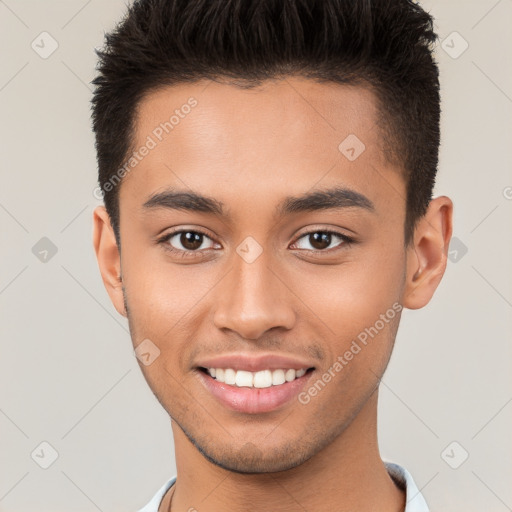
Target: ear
column 108, row 256
column 428, row 254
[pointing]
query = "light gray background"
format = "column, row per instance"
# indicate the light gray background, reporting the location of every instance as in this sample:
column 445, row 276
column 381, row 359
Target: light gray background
column 67, row 371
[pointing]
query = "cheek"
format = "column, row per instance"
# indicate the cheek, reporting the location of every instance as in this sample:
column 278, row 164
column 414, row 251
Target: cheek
column 359, row 293
column 360, row 301
column 360, row 340
column 163, row 298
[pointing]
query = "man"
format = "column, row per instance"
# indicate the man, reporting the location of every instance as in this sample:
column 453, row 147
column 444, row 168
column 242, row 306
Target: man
column 267, row 169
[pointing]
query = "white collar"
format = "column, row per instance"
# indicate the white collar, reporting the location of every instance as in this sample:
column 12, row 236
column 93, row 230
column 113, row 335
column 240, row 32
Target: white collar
column 414, row 499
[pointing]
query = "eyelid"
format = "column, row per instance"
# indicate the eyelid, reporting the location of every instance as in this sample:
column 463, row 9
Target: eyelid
column 164, row 240
column 346, row 240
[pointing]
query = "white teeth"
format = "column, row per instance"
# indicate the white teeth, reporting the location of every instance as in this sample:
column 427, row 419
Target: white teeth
column 229, row 376
column 278, row 377
column 261, row 379
column 243, row 378
column 289, row 375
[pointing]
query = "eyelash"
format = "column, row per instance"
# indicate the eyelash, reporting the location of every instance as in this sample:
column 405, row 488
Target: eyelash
column 347, row 241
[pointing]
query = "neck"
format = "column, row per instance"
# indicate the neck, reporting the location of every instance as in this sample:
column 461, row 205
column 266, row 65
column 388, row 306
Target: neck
column 346, row 475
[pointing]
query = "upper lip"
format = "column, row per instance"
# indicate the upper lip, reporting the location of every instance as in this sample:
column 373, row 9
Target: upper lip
column 254, row 363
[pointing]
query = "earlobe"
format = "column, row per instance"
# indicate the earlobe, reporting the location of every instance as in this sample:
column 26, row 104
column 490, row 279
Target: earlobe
column 108, row 256
column 427, row 255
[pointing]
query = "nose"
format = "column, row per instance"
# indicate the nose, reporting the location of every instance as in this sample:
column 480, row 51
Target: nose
column 253, row 299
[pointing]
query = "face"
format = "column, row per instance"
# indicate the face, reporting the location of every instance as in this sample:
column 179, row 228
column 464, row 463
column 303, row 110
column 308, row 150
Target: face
column 255, row 277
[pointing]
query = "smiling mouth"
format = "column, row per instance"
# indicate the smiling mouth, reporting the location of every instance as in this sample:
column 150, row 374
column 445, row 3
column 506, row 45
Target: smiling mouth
column 260, row 379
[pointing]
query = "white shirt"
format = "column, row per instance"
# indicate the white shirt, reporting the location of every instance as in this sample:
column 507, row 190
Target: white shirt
column 414, row 500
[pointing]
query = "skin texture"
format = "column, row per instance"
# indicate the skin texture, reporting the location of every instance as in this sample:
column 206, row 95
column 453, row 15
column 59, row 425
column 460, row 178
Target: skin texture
column 250, row 149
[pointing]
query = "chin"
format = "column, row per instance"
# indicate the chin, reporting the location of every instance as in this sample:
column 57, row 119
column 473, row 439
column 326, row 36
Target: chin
column 250, row 459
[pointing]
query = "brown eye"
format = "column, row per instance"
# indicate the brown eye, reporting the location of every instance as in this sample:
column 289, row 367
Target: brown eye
column 191, row 240
column 321, row 240
column 187, row 240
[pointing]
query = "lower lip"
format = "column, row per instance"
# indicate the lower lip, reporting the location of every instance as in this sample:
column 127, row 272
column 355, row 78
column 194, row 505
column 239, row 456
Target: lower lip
column 254, row 400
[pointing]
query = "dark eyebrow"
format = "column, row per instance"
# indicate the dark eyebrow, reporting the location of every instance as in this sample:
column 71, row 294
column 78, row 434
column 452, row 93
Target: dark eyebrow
column 311, row 201
column 324, row 200
column 189, row 201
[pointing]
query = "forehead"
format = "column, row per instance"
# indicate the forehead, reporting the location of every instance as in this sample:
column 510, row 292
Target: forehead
column 284, row 134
